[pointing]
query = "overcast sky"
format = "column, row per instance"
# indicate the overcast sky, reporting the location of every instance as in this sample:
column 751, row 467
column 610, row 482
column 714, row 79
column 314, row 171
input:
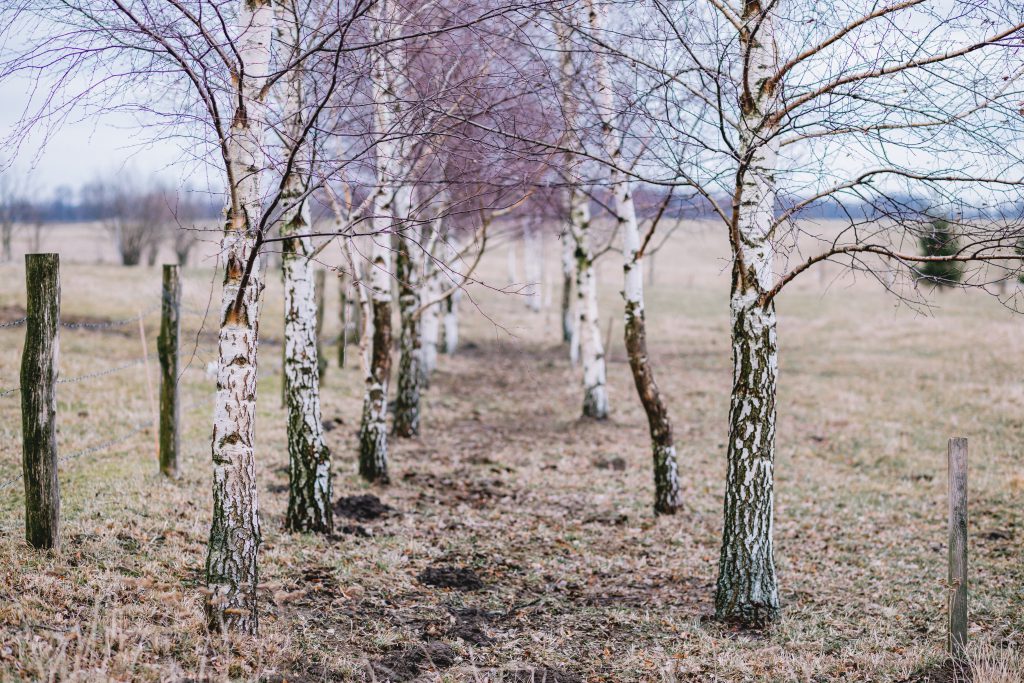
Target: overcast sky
column 80, row 150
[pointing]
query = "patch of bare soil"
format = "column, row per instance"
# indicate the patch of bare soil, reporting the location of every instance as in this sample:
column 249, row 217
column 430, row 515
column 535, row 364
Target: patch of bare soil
column 364, row 507
column 459, row 578
column 947, row 671
column 409, row 662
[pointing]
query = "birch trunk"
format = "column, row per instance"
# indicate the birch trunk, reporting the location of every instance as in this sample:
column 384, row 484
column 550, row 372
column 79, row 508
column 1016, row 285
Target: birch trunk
column 385, row 71
column 532, row 262
column 430, row 329
column 451, row 323
column 568, row 275
column 450, row 314
column 747, row 590
column 586, row 342
column 666, row 474
column 309, row 461
column 231, row 563
column 591, row 347
column 407, row 402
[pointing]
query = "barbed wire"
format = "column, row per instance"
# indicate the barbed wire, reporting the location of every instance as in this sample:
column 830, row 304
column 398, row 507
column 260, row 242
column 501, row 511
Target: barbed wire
column 9, row 392
column 111, row 323
column 13, row 323
column 103, row 373
column 95, row 448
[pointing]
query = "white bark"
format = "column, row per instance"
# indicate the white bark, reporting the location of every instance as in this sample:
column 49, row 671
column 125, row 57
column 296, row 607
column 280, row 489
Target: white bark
column 391, row 204
column 231, row 564
column 309, row 471
column 591, row 347
column 451, row 323
column 568, row 275
column 587, row 332
column 430, row 328
column 747, row 589
column 666, row 475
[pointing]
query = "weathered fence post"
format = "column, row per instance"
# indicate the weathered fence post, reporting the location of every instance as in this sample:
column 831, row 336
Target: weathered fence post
column 167, row 345
column 39, row 361
column 320, row 292
column 958, row 549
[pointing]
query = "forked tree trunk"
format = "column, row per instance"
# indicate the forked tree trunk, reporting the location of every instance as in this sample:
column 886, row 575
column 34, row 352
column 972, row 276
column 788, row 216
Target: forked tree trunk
column 747, row 590
column 568, row 275
column 666, row 474
column 407, row 400
column 309, row 461
column 231, row 562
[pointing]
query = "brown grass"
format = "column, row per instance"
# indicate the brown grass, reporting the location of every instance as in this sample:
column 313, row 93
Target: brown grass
column 580, row 579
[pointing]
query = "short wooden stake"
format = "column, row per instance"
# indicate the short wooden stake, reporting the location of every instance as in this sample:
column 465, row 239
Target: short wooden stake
column 167, row 346
column 39, row 401
column 957, row 640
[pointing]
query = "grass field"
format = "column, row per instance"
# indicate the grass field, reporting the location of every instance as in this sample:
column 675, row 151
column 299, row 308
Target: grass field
column 551, row 513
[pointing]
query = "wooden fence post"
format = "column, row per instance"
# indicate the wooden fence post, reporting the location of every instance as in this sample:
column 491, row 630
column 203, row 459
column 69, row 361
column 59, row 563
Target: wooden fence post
column 167, row 345
column 39, row 401
column 957, row 641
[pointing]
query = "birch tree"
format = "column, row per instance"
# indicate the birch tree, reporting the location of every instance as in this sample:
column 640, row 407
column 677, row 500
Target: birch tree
column 588, row 328
column 392, row 201
column 769, row 111
column 309, row 461
column 666, row 475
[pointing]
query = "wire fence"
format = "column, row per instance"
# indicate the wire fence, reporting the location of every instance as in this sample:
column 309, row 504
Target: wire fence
column 142, row 360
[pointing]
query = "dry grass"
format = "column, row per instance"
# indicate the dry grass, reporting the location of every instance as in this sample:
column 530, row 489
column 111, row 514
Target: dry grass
column 580, row 578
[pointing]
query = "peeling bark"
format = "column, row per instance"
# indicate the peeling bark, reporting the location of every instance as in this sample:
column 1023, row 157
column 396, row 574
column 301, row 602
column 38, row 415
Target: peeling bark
column 747, row 590
column 309, row 461
column 231, row 563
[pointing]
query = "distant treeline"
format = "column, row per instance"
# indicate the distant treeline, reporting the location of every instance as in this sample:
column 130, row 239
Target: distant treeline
column 91, row 203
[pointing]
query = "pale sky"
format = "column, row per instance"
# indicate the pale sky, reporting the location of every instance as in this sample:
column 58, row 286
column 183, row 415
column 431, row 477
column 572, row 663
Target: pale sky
column 82, row 149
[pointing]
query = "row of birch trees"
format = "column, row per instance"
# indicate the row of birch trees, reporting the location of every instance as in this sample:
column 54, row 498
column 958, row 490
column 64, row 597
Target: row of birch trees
column 426, row 126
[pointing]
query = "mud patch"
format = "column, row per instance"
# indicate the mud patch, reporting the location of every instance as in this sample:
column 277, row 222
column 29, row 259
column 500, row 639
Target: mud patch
column 943, row 672
column 472, row 625
column 318, row 583
column 615, row 464
column 463, row 488
column 409, row 662
column 363, row 508
column 445, row 576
